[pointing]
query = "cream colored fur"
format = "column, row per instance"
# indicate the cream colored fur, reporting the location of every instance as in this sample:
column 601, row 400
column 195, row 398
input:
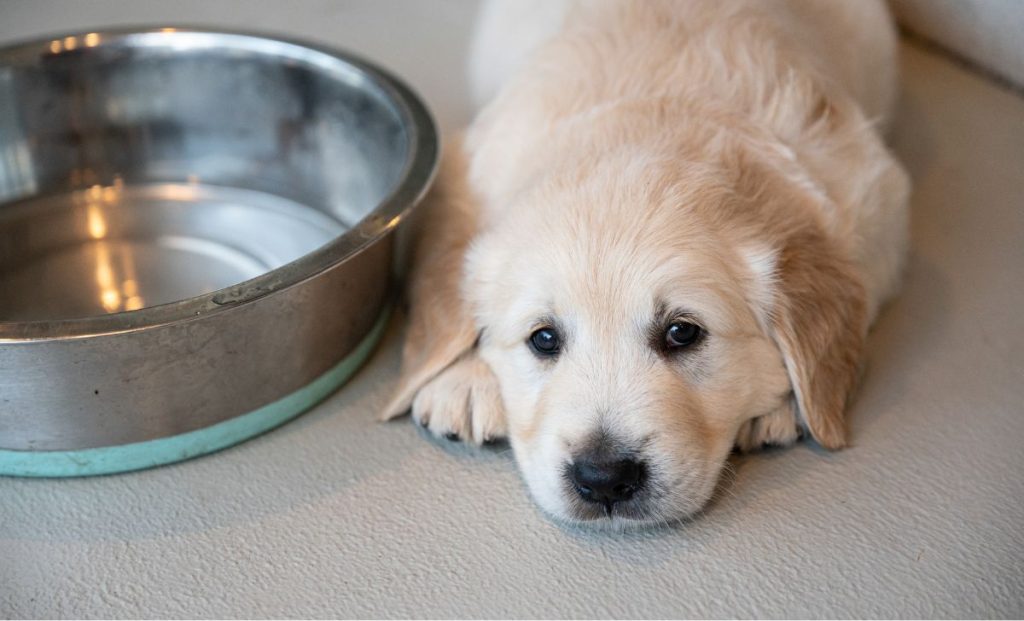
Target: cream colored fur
column 638, row 160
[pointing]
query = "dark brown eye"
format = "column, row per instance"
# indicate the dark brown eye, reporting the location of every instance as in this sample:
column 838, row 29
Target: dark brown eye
column 545, row 342
column 682, row 334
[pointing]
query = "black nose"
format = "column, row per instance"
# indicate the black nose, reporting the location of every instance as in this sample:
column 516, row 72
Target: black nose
column 607, row 482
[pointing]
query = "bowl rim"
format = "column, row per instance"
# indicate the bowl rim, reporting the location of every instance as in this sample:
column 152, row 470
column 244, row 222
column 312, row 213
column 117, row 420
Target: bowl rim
column 417, row 174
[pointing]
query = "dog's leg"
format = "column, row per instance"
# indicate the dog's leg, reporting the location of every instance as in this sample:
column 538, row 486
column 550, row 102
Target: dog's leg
column 443, row 383
column 462, row 403
column 777, row 428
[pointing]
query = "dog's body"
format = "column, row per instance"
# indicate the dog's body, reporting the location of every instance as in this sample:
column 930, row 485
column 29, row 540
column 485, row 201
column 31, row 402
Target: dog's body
column 666, row 234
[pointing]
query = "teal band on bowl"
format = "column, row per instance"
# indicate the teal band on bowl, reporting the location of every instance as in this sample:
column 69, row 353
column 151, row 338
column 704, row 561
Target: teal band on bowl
column 140, row 455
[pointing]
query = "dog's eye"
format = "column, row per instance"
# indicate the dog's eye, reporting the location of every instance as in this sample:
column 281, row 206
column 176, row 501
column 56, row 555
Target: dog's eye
column 682, row 334
column 545, row 342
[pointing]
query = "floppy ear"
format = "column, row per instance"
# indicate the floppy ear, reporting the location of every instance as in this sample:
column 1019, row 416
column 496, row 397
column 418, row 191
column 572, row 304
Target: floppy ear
column 819, row 323
column 441, row 328
column 812, row 300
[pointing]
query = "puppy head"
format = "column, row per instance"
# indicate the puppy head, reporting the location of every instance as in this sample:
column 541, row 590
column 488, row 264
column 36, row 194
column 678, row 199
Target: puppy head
column 638, row 313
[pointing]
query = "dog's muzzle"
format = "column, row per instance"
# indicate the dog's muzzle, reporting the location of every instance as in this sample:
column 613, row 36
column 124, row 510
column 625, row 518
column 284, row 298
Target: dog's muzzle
column 606, row 481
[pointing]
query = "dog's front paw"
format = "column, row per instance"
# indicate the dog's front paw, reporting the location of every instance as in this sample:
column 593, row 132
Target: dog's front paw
column 778, row 428
column 462, row 403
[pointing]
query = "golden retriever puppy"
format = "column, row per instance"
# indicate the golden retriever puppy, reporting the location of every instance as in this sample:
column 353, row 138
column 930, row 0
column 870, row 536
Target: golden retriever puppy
column 665, row 235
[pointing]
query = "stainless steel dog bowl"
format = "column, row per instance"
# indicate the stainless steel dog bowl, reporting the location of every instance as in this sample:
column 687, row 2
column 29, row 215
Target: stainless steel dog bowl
column 195, row 238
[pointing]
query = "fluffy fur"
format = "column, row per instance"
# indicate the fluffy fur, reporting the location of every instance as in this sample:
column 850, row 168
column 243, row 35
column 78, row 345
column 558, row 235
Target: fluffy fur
column 638, row 162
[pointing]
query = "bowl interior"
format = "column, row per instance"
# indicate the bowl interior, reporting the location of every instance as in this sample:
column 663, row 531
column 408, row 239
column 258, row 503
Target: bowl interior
column 145, row 168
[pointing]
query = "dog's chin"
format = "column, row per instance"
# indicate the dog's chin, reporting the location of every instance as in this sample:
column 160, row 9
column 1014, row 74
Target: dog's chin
column 626, row 517
column 622, row 517
column 641, row 513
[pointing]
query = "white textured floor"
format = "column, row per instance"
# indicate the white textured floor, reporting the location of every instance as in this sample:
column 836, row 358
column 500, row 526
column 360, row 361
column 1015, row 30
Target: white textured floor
column 337, row 515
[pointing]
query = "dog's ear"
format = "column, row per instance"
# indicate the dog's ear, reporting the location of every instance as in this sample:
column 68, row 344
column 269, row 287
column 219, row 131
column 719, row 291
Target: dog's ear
column 819, row 325
column 441, row 328
column 816, row 306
